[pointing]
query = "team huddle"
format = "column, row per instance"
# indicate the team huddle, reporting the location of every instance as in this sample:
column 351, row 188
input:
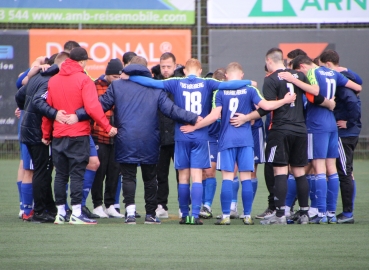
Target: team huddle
column 95, row 130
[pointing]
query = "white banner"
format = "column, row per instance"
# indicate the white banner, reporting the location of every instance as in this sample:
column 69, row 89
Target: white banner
column 287, row 11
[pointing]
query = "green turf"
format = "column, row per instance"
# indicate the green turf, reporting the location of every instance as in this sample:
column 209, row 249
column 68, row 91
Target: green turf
column 114, row 245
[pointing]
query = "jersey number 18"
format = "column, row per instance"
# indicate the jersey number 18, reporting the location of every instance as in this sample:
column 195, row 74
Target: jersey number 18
column 193, row 102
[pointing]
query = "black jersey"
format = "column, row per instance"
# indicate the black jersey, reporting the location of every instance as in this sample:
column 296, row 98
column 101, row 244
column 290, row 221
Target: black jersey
column 288, row 118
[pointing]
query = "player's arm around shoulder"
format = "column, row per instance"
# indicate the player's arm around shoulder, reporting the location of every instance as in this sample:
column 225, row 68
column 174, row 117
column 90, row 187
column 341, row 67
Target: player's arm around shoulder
column 208, row 120
column 308, row 85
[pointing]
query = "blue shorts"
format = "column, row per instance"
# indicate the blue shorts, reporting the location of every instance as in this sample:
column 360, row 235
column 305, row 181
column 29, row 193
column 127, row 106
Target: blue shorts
column 213, row 151
column 259, row 144
column 244, row 156
column 93, row 151
column 323, row 145
column 191, row 154
column 26, row 157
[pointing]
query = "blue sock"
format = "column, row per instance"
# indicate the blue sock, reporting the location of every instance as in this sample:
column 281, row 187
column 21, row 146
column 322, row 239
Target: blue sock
column 203, row 200
column 27, row 196
column 333, row 187
column 119, row 188
column 321, row 192
column 226, row 196
column 196, row 193
column 66, row 197
column 211, row 186
column 89, row 178
column 291, row 190
column 19, row 184
column 312, row 191
column 353, row 195
column 184, row 198
column 247, row 196
column 235, row 187
column 254, row 182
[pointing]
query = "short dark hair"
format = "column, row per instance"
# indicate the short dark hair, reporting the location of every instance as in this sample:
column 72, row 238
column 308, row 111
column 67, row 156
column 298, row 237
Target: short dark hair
column 127, row 57
column 294, row 53
column 316, row 61
column 301, row 59
column 168, row 55
column 275, row 54
column 219, row 74
column 50, row 61
column 330, row 56
column 61, row 57
column 70, row 45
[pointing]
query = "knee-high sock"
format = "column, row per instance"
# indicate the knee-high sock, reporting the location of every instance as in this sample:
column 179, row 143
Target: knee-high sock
column 87, row 184
column 27, row 196
column 210, row 188
column 235, row 187
column 321, row 192
column 312, row 191
column 332, row 194
column 226, row 196
column 66, row 197
column 196, row 195
column 203, row 198
column 247, row 196
column 280, row 193
column 291, row 190
column 254, row 182
column 354, row 194
column 117, row 194
column 19, row 184
column 183, row 198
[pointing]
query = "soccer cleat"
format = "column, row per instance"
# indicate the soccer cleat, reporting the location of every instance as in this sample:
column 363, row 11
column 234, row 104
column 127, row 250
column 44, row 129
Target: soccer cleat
column 223, row 221
column 88, row 213
column 28, row 217
column 295, row 216
column 112, row 213
column 100, row 212
column 266, row 214
column 342, row 219
column 205, row 213
column 274, row 220
column 234, row 214
column 161, row 212
column 332, row 219
column 185, row 220
column 81, row 220
column 303, row 219
column 20, row 214
column 42, row 217
column 319, row 220
column 130, row 220
column 149, row 219
column 195, row 221
column 248, row 220
column 59, row 219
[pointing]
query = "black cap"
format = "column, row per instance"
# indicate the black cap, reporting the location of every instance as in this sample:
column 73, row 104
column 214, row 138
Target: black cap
column 79, row 54
column 114, row 67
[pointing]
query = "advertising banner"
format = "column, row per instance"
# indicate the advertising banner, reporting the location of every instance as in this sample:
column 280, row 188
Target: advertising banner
column 99, row 11
column 287, row 11
column 103, row 45
column 248, row 47
column 13, row 60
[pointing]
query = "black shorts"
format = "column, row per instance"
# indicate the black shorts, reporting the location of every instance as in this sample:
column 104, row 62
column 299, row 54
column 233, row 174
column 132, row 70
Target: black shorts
column 283, row 149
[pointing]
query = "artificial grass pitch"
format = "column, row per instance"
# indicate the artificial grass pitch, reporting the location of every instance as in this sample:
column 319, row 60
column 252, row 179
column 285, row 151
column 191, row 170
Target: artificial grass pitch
column 111, row 244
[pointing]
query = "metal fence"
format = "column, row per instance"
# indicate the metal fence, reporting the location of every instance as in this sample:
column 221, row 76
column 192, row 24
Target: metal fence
column 10, row 148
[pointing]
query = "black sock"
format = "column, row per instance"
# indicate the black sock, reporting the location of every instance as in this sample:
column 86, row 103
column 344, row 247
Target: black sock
column 302, row 186
column 280, row 193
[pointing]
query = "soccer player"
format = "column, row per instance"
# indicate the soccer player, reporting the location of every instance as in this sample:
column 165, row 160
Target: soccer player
column 236, row 143
column 347, row 114
column 322, row 135
column 191, row 150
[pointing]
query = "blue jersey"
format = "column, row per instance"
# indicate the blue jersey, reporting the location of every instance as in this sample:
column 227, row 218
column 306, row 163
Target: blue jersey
column 214, row 127
column 236, row 101
column 318, row 118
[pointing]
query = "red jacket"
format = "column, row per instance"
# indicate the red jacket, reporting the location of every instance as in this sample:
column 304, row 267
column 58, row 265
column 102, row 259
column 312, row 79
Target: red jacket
column 70, row 90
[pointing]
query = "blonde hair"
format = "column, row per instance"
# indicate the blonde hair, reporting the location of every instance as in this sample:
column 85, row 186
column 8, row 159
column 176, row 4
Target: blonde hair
column 219, row 74
column 233, row 67
column 138, row 60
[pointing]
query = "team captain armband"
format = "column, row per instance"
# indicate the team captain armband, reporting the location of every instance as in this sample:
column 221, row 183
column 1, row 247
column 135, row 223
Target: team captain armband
column 319, row 99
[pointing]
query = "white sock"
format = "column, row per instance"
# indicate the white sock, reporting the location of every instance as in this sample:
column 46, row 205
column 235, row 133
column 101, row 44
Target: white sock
column 117, row 206
column 207, row 207
column 225, row 216
column 287, row 211
column 131, row 209
column 233, row 206
column 76, row 210
column 247, row 216
column 61, row 209
column 331, row 214
column 321, row 214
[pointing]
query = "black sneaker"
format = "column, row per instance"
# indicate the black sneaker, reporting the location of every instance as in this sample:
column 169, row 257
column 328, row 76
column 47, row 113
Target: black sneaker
column 130, row 220
column 266, row 214
column 88, row 213
column 67, row 215
column 196, row 221
column 137, row 215
column 152, row 220
column 42, row 217
column 342, row 219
